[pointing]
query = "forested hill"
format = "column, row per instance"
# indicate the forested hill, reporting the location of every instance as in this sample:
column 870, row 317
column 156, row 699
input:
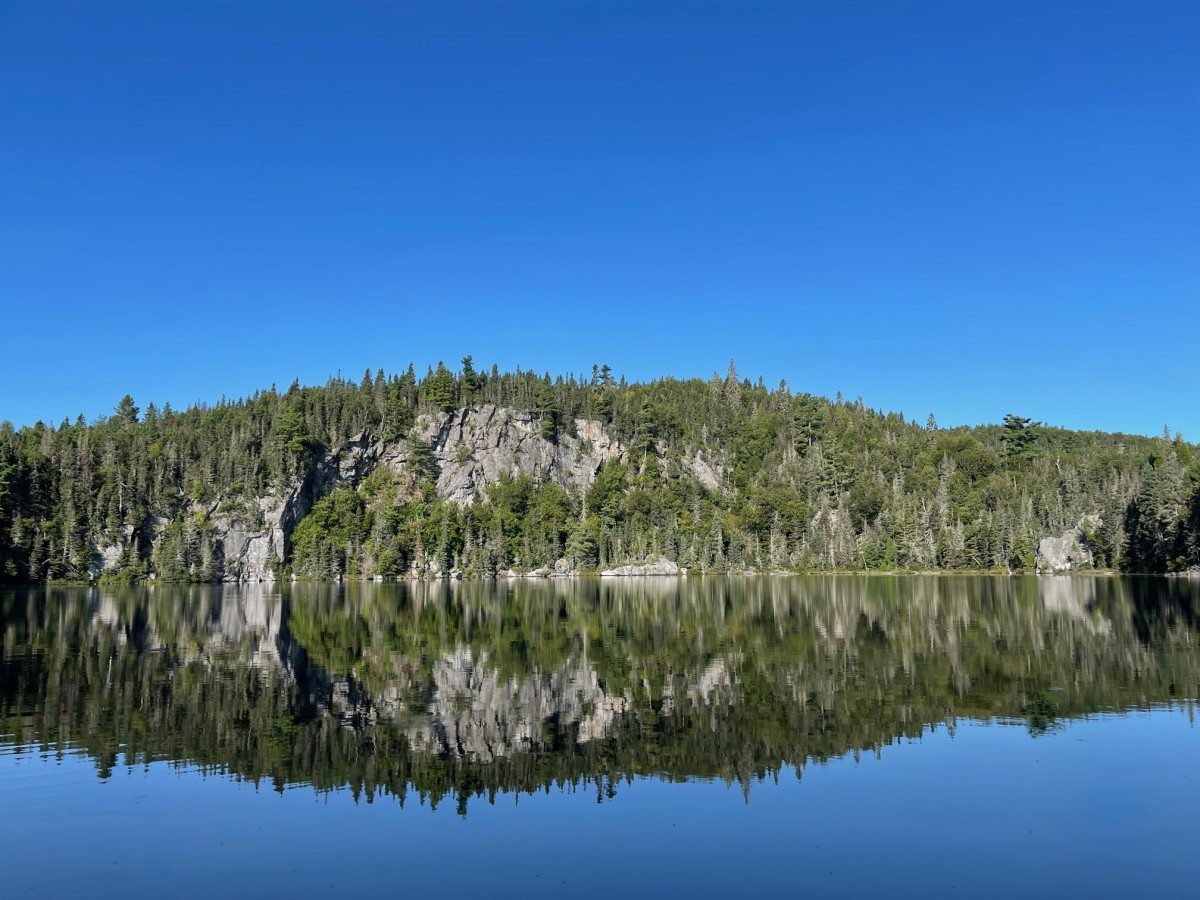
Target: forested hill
column 489, row 472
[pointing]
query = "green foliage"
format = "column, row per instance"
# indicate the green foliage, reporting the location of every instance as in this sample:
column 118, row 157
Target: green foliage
column 1020, row 437
column 126, row 412
column 291, row 433
column 325, row 541
column 721, row 474
column 548, row 411
column 441, row 389
column 420, row 457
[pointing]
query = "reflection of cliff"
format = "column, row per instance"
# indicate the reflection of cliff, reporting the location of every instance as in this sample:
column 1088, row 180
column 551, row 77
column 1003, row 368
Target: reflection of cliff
column 468, row 689
column 474, row 712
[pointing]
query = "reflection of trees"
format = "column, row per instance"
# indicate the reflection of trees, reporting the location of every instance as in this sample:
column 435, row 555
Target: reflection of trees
column 469, row 689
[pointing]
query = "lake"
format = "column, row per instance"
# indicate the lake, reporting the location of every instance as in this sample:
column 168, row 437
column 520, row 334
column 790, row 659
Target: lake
column 825, row 736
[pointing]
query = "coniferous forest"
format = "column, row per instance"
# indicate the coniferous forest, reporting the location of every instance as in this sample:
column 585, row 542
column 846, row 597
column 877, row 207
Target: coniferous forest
column 723, row 475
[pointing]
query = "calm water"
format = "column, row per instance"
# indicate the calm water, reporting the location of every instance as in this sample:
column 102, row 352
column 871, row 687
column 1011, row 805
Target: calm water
column 823, row 736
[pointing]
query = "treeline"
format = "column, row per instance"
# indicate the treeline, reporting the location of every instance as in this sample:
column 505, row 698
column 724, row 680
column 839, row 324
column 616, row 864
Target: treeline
column 804, row 483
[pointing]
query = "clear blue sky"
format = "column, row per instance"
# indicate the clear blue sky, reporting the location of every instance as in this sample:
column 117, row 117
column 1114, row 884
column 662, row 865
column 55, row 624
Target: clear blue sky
column 965, row 207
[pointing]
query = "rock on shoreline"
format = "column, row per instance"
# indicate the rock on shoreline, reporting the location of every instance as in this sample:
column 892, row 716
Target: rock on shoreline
column 661, row 566
column 1070, row 552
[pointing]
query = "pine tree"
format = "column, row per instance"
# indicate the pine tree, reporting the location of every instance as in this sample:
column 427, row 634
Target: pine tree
column 469, row 381
column 442, row 390
column 1019, row 437
column 126, row 411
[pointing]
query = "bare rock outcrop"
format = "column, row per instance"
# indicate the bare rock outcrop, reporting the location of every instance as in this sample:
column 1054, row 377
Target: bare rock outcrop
column 107, row 557
column 660, row 566
column 707, row 475
column 252, row 538
column 1070, row 551
column 473, row 447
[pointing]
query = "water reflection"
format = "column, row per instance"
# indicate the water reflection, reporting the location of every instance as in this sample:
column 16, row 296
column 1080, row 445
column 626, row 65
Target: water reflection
column 465, row 690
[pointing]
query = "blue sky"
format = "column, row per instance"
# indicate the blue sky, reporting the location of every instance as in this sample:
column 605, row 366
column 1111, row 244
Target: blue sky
column 969, row 208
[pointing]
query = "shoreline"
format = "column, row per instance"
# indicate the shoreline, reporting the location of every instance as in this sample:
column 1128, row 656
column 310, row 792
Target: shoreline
column 624, row 576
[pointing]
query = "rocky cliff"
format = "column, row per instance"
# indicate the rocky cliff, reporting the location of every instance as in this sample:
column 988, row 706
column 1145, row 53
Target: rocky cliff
column 471, row 448
column 251, row 537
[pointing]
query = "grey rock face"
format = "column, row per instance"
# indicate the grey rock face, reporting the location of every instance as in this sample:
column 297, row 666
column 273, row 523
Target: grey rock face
column 107, row 557
column 110, row 556
column 251, row 549
column 705, row 474
column 661, row 566
column 472, row 447
column 253, row 541
column 1068, row 552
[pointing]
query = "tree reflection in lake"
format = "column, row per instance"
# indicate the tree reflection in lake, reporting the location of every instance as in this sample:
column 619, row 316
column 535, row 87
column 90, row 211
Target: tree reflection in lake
column 462, row 690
